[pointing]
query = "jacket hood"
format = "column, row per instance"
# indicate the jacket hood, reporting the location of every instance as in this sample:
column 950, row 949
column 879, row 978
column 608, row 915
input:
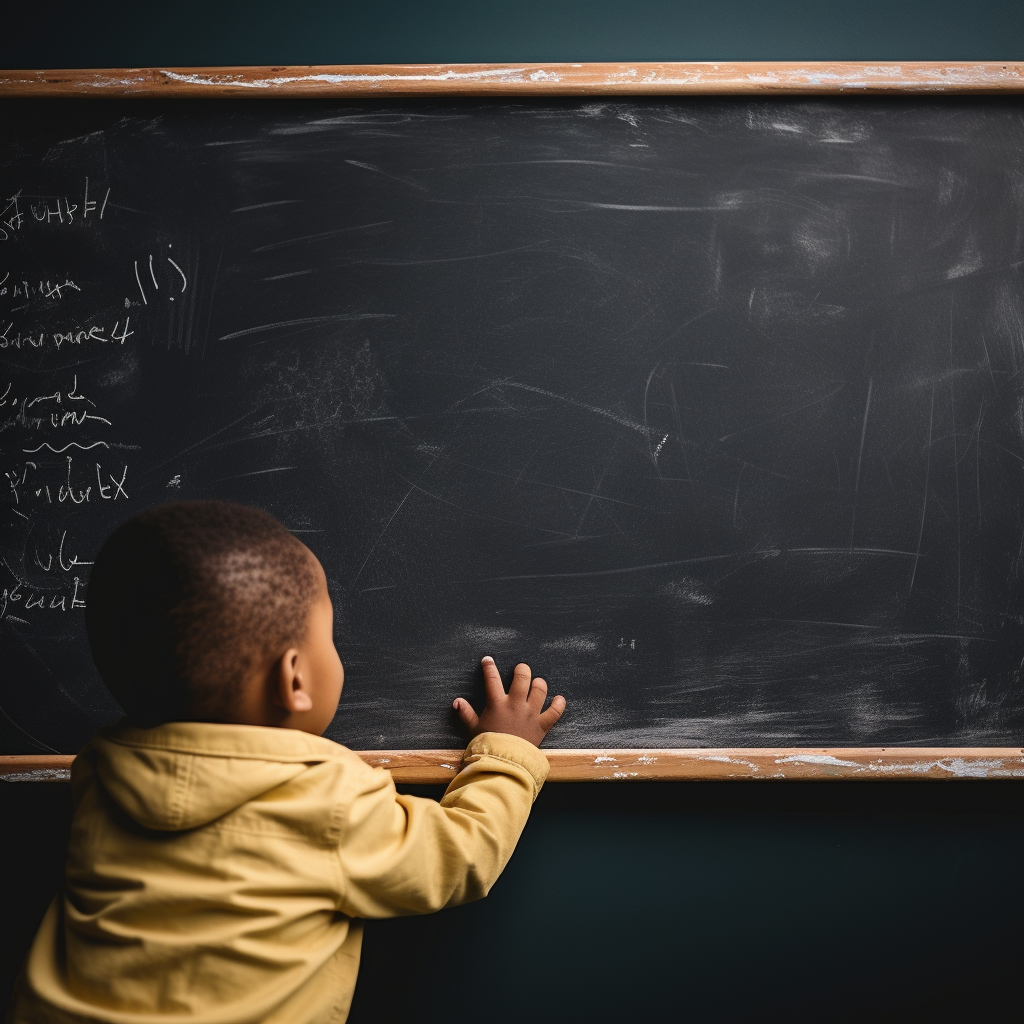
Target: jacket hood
column 185, row 774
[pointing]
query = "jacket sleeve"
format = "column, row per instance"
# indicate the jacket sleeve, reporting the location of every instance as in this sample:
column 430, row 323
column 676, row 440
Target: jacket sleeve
column 411, row 855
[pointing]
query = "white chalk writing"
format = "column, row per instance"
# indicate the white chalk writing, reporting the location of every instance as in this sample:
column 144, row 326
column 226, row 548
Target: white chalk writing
column 59, row 409
column 24, row 598
column 20, row 210
column 32, row 483
column 118, row 334
column 22, row 288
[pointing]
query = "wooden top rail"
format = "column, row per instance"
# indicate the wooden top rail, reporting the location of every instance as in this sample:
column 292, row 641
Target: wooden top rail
column 690, row 765
column 556, row 79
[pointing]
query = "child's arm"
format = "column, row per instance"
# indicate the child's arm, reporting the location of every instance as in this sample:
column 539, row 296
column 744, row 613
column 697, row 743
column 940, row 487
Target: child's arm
column 409, row 855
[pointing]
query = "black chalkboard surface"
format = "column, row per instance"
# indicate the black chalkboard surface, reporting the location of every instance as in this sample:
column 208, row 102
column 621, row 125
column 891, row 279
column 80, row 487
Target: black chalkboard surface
column 710, row 408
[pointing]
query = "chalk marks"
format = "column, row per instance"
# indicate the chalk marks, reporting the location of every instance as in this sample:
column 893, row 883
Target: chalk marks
column 401, row 262
column 362, row 165
column 71, row 444
column 647, row 567
column 380, row 536
column 634, row 208
column 292, row 273
column 784, row 415
column 957, row 767
column 261, row 206
column 853, row 551
column 562, row 161
column 624, row 421
column 36, row 774
column 754, row 553
column 142, row 291
column 184, row 279
column 860, row 460
column 319, row 235
column 306, row 321
column 924, row 500
column 260, row 472
column 148, row 265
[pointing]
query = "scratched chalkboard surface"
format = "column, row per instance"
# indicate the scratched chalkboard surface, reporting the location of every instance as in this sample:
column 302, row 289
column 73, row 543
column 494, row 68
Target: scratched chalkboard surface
column 713, row 409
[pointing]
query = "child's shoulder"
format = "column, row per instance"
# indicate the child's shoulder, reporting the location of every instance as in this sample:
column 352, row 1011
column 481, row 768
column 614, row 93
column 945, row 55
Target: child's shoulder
column 182, row 775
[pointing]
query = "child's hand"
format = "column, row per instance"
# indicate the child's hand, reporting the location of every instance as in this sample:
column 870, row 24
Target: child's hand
column 518, row 712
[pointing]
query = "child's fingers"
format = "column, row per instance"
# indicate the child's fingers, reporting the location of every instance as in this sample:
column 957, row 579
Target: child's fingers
column 553, row 713
column 538, row 694
column 520, row 686
column 492, row 681
column 466, row 713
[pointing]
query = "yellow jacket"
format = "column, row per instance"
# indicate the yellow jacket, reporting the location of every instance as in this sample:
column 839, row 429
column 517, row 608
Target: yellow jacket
column 218, row 873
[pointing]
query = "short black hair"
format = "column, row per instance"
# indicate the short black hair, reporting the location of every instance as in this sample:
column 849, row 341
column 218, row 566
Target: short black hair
column 186, row 598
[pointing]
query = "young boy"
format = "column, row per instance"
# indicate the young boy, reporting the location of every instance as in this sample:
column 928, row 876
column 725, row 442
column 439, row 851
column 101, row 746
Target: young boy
column 223, row 854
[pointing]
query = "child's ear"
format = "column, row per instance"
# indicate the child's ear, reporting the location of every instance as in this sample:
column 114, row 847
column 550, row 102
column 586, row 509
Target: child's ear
column 290, row 690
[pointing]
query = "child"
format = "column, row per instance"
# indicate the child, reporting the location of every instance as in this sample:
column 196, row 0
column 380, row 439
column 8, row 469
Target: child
column 222, row 852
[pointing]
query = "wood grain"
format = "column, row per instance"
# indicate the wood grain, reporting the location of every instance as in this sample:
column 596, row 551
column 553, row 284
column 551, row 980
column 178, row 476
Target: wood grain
column 707, row 765
column 557, row 79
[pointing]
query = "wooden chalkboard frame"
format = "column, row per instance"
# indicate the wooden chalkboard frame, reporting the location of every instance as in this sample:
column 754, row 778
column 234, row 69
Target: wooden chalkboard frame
column 655, row 765
column 575, row 79
column 327, row 81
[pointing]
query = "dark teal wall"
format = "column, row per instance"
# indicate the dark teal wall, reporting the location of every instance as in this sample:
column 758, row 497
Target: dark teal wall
column 62, row 34
column 640, row 901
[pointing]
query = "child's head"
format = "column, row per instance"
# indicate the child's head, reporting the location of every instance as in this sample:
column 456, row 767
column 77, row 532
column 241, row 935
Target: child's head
column 212, row 611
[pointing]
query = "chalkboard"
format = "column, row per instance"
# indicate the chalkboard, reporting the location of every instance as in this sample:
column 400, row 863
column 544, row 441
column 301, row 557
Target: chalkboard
column 712, row 408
